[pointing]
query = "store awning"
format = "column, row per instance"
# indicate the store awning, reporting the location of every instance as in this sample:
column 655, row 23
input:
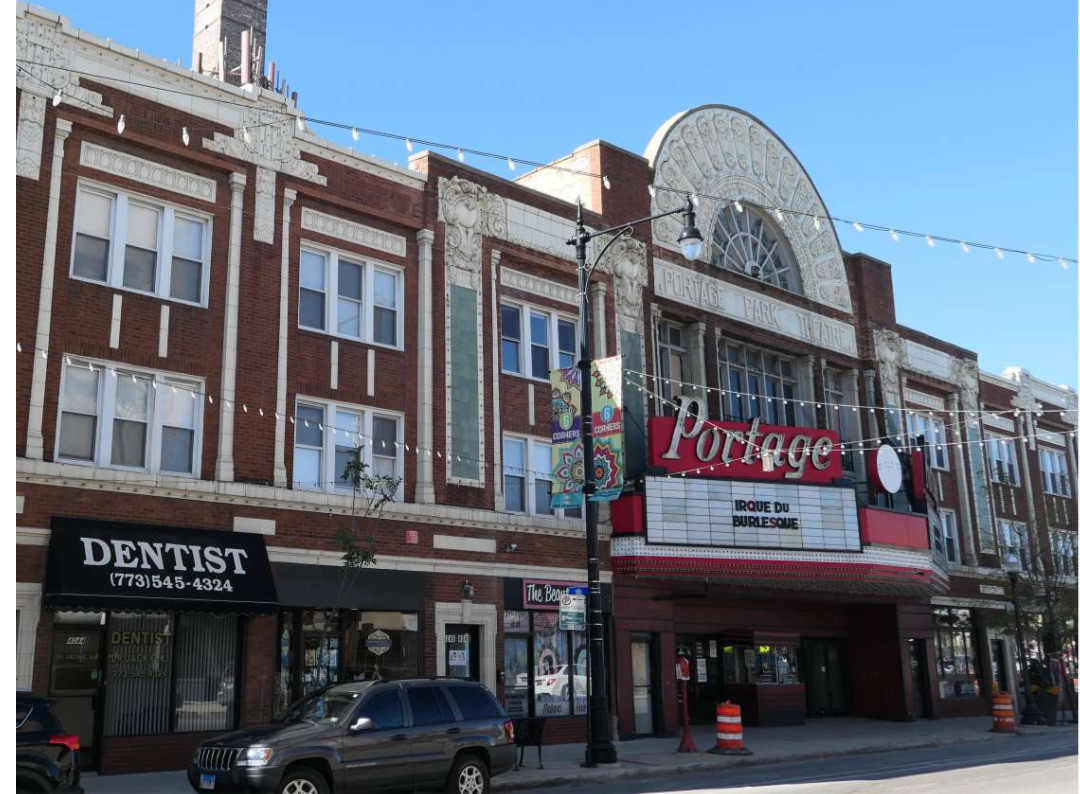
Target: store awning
column 113, row 565
column 334, row 587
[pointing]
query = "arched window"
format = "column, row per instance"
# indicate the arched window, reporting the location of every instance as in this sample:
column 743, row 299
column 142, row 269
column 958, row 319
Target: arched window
column 751, row 242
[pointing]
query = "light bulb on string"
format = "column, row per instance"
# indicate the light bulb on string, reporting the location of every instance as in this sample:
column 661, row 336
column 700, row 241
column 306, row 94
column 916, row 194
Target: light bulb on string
column 355, row 134
column 408, row 145
column 857, row 226
column 184, row 136
column 652, row 192
column 300, row 125
column 965, row 247
column 1031, row 259
column 58, row 97
column 817, row 223
column 460, row 156
column 18, row 347
column 930, row 241
column 607, row 183
column 738, row 206
column 779, row 215
column 1063, row 263
column 1000, row 254
column 121, row 124
column 247, row 136
column 895, row 237
column 510, row 164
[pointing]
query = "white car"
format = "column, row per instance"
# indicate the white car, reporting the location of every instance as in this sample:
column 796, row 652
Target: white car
column 557, row 684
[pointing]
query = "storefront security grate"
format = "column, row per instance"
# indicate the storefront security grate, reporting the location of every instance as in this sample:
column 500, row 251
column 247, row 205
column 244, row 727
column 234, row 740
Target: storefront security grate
column 219, row 759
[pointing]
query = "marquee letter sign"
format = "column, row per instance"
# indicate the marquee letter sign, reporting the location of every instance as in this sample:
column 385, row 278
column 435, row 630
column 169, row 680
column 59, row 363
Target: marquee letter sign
column 731, row 450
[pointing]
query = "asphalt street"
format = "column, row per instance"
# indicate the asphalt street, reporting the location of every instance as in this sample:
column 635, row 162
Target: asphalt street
column 1044, row 764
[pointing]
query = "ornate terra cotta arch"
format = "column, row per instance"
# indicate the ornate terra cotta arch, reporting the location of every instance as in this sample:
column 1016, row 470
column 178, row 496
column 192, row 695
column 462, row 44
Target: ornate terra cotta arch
column 716, row 150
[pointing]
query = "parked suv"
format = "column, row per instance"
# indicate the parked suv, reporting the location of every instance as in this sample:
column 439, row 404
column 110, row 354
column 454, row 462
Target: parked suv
column 367, row 736
column 46, row 758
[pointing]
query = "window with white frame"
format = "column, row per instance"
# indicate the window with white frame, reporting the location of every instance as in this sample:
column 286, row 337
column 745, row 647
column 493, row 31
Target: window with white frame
column 527, row 478
column 1014, row 540
column 533, row 339
column 125, row 417
column 672, row 362
column 1063, row 551
column 349, row 296
column 838, row 416
column 759, row 384
column 948, row 528
column 932, row 431
column 1002, row 453
column 131, row 242
column 1055, row 474
column 326, row 434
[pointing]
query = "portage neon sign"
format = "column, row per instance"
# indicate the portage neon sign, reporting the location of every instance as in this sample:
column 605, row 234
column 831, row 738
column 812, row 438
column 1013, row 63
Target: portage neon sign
column 688, row 443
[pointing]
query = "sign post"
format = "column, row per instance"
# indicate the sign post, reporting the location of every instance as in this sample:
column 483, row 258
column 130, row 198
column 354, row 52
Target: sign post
column 682, row 672
column 572, row 609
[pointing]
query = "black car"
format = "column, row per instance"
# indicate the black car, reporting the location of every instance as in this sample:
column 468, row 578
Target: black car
column 46, row 758
column 433, row 733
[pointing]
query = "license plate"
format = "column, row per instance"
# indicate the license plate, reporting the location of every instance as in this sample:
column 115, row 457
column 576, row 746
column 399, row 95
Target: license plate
column 207, row 782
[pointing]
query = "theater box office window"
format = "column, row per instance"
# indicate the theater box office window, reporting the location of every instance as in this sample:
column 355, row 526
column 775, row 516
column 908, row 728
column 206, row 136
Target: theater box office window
column 148, row 627
column 337, row 625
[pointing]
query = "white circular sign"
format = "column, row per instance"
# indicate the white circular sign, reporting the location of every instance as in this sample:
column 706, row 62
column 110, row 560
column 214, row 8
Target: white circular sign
column 886, row 470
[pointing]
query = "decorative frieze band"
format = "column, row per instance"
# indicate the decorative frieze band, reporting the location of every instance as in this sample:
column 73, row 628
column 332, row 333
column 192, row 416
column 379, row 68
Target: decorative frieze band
column 352, row 232
column 924, row 399
column 147, row 172
column 535, row 285
column 999, row 423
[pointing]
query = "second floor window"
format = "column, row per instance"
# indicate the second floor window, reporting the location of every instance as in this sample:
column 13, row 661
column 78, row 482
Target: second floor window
column 932, row 431
column 1055, row 475
column 1002, row 452
column 130, row 242
column 758, row 383
column 327, row 434
column 533, row 341
column 346, row 295
column 527, row 478
column 948, row 528
column 129, row 418
column 838, row 415
column 1014, row 540
column 672, row 359
column 1063, row 551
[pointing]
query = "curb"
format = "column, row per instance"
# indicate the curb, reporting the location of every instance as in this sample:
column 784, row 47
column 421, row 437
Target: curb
column 506, row 783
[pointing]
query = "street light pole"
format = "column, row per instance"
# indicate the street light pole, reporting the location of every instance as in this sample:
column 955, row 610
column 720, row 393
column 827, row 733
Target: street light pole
column 600, row 749
column 1032, row 715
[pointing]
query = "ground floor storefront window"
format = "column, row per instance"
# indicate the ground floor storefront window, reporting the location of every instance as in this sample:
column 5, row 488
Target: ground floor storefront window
column 761, row 664
column 546, row 668
column 958, row 664
column 319, row 647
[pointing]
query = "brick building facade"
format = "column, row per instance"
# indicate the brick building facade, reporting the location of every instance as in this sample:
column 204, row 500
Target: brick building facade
column 216, row 305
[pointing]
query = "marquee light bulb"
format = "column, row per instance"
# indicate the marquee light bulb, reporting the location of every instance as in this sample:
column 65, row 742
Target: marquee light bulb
column 185, row 137
column 355, row 134
column 120, row 125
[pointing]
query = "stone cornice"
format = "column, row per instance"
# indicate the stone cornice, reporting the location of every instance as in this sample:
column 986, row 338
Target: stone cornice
column 352, row 232
column 148, row 172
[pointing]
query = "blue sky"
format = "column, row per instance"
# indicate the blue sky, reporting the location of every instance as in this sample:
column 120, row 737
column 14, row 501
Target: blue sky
column 955, row 118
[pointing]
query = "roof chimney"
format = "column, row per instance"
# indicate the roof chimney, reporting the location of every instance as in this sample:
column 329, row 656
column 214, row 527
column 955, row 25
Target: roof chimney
column 218, row 21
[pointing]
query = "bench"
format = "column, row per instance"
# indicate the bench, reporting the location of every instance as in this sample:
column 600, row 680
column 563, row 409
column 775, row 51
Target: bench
column 529, row 732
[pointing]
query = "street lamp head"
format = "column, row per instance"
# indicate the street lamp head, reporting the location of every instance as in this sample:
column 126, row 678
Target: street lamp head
column 1011, row 564
column 690, row 237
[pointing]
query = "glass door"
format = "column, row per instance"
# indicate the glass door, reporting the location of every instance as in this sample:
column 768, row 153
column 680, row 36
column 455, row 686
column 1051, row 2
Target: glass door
column 463, row 651
column 76, row 678
column 641, row 666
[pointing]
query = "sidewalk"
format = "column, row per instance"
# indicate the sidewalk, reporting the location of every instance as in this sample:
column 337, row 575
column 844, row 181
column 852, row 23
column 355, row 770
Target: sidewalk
column 657, row 757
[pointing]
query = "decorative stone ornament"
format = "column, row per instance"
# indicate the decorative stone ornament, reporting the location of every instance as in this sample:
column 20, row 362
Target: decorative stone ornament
column 469, row 213
column 892, row 357
column 626, row 262
column 715, row 150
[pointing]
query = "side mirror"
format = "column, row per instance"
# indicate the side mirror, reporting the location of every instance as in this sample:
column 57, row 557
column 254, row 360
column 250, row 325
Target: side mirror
column 362, row 724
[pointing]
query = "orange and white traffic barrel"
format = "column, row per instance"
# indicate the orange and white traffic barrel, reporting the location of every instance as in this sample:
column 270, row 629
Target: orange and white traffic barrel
column 729, row 733
column 1001, row 710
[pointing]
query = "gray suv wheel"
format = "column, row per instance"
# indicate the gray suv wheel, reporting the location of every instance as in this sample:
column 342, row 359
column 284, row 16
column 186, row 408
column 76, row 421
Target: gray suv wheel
column 469, row 776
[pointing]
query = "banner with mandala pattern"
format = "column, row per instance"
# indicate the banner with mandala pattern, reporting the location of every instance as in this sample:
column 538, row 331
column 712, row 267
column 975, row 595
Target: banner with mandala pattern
column 567, row 458
column 607, row 405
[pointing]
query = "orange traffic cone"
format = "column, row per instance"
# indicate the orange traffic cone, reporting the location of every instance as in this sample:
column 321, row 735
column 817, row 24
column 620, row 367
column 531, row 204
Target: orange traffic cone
column 729, row 738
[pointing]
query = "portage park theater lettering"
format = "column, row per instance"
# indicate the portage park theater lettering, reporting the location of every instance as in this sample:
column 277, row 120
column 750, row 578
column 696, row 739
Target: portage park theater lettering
column 689, row 443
